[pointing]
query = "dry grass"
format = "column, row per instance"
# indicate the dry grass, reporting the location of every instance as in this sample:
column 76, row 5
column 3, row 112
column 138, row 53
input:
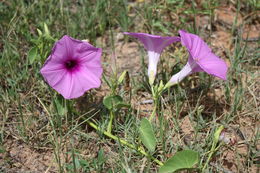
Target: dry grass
column 35, row 136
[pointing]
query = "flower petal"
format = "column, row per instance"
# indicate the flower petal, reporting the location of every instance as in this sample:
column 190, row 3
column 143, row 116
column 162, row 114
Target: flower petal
column 90, row 77
column 194, row 65
column 202, row 55
column 153, row 61
column 74, row 85
column 68, row 82
column 92, row 57
column 185, row 71
column 63, row 48
column 213, row 65
column 195, row 45
column 154, row 42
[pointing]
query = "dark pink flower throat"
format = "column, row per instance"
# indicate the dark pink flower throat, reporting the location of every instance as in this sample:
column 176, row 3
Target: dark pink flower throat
column 71, row 64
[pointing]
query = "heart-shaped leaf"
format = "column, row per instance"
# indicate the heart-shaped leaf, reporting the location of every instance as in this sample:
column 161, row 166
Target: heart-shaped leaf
column 111, row 102
column 147, row 135
column 185, row 159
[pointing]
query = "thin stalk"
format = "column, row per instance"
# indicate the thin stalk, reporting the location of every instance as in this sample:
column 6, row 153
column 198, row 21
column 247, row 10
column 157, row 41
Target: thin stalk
column 22, row 119
column 66, row 108
column 155, row 100
column 54, row 136
column 73, row 157
column 109, row 127
column 214, row 146
column 211, row 152
column 154, row 111
column 140, row 150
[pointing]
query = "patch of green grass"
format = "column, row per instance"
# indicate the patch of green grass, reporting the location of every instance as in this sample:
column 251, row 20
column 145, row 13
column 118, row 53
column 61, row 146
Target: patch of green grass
column 34, row 114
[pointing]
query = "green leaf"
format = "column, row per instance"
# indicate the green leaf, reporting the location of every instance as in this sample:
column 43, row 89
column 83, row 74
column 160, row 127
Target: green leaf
column 185, row 159
column 111, row 102
column 46, row 29
column 121, row 77
column 121, row 105
column 217, row 134
column 2, row 150
column 32, row 54
column 39, row 32
column 108, row 82
column 61, row 110
column 147, row 135
column 160, row 26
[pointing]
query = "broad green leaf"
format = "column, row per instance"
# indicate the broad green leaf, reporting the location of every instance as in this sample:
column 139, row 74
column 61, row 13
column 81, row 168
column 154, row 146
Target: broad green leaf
column 185, row 159
column 32, row 54
column 147, row 135
column 111, row 102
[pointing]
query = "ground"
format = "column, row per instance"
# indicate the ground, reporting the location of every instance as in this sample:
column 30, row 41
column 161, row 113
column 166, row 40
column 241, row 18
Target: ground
column 36, row 135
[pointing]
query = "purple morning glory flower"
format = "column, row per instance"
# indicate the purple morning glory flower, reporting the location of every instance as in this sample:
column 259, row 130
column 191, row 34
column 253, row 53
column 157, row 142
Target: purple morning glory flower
column 73, row 67
column 200, row 59
column 154, row 45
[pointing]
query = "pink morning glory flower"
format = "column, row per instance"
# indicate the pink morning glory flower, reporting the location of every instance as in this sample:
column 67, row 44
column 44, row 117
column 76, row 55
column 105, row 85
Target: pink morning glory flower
column 154, row 45
column 200, row 59
column 73, row 67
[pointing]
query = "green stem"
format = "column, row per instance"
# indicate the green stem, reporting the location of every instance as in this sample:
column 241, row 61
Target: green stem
column 155, row 100
column 109, row 127
column 154, row 111
column 212, row 151
column 214, row 146
column 140, row 150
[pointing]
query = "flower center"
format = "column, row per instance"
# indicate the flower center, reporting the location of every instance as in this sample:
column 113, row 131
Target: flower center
column 71, row 64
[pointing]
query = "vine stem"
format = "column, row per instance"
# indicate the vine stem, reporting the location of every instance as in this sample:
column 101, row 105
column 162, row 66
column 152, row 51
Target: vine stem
column 155, row 100
column 214, row 146
column 154, row 111
column 109, row 127
column 140, row 150
column 212, row 151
